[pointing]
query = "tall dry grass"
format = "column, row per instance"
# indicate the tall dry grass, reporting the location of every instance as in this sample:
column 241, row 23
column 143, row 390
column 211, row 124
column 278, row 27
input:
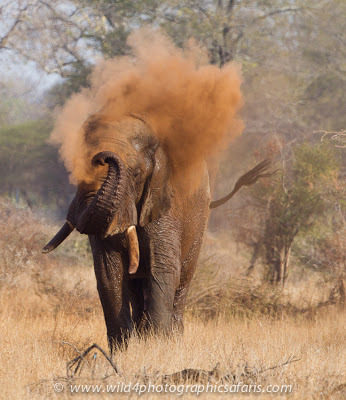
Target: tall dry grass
column 49, row 309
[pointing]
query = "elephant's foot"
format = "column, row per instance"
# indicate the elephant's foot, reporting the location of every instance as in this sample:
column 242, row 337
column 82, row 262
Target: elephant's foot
column 148, row 325
column 178, row 324
column 119, row 340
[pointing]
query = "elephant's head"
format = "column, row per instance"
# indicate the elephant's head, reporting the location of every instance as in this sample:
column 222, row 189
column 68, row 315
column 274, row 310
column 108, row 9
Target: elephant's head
column 130, row 186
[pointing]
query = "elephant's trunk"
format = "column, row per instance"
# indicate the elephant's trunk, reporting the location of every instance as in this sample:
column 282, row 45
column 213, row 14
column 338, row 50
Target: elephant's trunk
column 99, row 214
column 111, row 211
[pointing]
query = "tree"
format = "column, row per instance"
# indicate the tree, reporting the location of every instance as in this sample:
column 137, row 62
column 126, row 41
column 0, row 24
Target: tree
column 48, row 33
column 276, row 41
column 17, row 102
column 31, row 169
column 57, row 35
column 291, row 52
column 295, row 203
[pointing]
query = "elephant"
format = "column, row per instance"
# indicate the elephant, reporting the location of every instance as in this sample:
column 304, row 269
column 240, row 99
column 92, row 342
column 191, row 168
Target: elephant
column 145, row 228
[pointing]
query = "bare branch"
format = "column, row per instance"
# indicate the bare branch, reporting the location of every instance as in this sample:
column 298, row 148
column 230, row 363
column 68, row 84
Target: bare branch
column 81, row 358
column 230, row 7
column 334, row 136
column 289, row 361
column 12, row 28
column 276, row 12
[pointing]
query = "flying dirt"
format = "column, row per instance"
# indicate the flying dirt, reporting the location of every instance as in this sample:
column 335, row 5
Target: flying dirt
column 192, row 106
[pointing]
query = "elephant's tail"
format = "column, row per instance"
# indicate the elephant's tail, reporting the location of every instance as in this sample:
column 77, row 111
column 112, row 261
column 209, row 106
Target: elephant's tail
column 251, row 177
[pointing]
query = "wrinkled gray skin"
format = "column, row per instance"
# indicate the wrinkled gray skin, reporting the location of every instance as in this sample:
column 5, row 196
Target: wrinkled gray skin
column 136, row 189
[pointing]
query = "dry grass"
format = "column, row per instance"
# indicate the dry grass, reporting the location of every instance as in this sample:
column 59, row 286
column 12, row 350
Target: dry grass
column 31, row 350
column 49, row 305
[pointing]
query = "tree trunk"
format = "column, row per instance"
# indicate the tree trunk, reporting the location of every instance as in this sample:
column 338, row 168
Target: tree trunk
column 342, row 292
column 286, row 263
column 280, row 262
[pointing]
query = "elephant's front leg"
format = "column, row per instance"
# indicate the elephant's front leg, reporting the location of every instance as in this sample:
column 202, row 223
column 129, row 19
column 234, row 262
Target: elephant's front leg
column 109, row 261
column 165, row 255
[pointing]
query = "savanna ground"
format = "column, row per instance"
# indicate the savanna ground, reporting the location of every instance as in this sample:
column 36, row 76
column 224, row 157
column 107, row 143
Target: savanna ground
column 49, row 310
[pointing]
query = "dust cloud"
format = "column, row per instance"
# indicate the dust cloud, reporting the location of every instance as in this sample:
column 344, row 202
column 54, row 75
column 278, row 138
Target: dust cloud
column 192, row 106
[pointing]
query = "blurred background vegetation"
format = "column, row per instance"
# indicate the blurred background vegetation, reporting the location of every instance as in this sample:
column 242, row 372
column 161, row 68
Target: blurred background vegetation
column 292, row 54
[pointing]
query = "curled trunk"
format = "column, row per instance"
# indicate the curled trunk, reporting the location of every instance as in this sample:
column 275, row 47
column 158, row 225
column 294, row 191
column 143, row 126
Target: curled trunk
column 99, row 214
column 112, row 209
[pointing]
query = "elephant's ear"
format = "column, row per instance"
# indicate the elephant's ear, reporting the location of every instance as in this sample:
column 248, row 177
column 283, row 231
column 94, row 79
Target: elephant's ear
column 157, row 193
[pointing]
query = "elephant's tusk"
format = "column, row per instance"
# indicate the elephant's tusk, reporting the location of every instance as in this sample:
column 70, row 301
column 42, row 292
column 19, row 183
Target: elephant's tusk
column 66, row 229
column 132, row 243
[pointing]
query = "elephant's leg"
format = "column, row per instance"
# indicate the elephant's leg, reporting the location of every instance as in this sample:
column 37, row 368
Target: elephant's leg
column 178, row 309
column 113, row 290
column 187, row 271
column 138, row 290
column 164, row 248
